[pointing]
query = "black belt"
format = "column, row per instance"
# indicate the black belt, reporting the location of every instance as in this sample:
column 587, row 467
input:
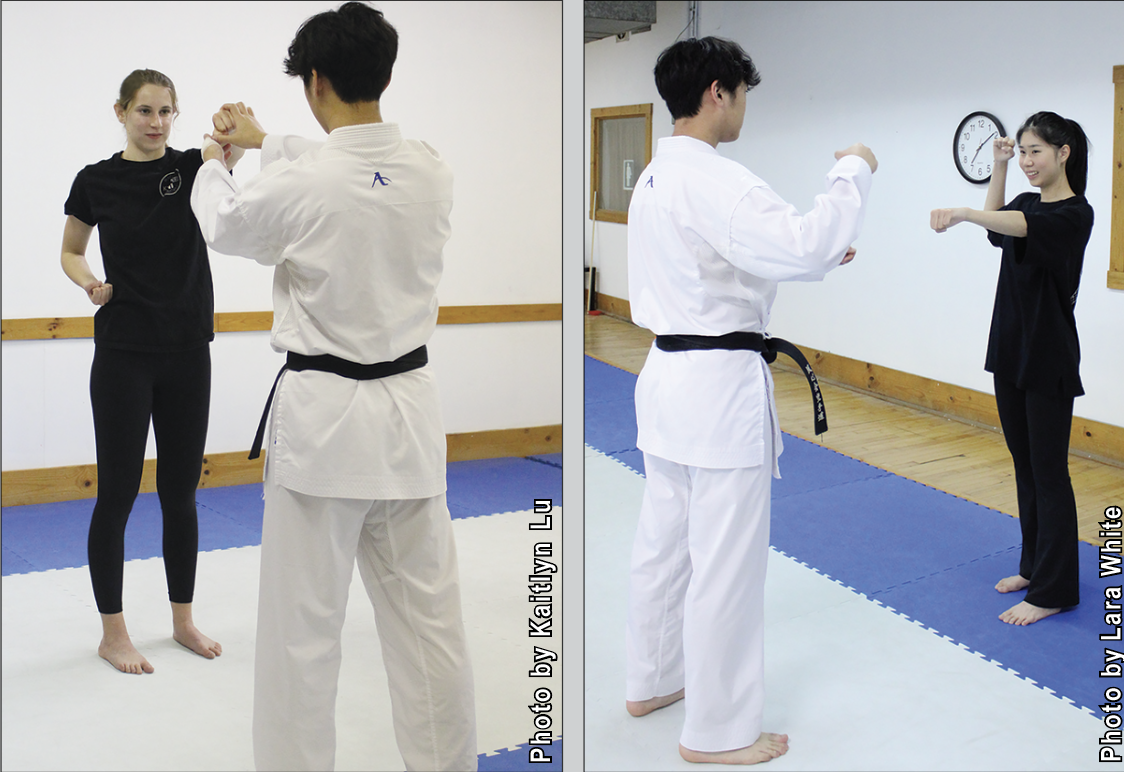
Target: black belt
column 330, row 364
column 752, row 341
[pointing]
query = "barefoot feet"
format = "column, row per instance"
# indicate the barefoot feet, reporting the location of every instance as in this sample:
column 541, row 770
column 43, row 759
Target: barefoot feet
column 121, row 653
column 768, row 746
column 190, row 637
column 117, row 648
column 1012, row 584
column 644, row 707
column 1026, row 614
column 186, row 634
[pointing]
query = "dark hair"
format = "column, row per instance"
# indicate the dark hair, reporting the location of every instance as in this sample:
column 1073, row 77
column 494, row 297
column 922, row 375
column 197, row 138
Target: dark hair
column 1057, row 131
column 353, row 47
column 685, row 70
column 140, row 78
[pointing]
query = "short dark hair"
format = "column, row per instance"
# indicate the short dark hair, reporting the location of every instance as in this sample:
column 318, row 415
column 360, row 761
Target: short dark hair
column 685, row 70
column 1057, row 131
column 353, row 47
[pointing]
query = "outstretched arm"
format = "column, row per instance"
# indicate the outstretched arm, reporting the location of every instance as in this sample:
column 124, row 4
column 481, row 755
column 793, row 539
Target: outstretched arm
column 1007, row 223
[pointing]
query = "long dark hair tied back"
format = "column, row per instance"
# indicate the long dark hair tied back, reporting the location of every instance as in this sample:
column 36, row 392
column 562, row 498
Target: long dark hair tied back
column 1057, row 131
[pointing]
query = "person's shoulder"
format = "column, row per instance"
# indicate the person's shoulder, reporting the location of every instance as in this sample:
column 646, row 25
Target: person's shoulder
column 191, row 157
column 102, row 167
column 1081, row 203
column 175, row 155
column 422, row 150
column 1084, row 210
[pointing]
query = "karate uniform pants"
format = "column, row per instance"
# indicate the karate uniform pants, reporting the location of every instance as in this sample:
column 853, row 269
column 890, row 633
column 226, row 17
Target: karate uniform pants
column 697, row 598
column 408, row 564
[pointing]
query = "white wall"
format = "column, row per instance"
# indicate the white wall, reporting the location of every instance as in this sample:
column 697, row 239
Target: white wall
column 899, row 77
column 454, row 85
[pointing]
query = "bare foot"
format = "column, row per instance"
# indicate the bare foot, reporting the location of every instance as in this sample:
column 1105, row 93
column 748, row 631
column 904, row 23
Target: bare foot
column 186, row 634
column 1012, row 584
column 190, row 637
column 645, row 707
column 121, row 653
column 768, row 746
column 1026, row 614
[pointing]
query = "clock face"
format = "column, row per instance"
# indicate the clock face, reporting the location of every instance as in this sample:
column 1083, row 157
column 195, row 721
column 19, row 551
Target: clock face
column 972, row 146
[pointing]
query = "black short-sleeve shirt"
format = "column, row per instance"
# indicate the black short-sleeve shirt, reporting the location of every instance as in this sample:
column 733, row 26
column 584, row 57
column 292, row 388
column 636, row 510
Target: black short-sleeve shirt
column 1033, row 342
column 153, row 252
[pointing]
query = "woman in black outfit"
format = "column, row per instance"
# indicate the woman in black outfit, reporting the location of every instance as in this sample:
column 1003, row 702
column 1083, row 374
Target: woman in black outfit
column 1033, row 351
column 152, row 359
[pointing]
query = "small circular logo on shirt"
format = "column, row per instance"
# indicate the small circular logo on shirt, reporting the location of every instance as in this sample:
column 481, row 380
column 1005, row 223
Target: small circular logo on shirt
column 170, row 184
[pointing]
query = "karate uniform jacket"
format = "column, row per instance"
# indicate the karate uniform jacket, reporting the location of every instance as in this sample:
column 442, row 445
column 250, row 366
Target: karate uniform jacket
column 708, row 241
column 355, row 227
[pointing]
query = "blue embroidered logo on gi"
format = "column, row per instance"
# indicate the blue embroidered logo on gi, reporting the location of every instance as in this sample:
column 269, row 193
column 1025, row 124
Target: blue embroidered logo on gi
column 171, row 183
column 649, row 184
column 380, row 179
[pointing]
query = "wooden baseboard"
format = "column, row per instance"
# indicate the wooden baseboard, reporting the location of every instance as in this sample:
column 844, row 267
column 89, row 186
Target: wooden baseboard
column 67, row 483
column 251, row 321
column 1092, row 439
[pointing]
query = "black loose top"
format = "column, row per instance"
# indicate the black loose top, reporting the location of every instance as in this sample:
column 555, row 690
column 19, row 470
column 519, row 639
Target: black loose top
column 153, row 252
column 1033, row 342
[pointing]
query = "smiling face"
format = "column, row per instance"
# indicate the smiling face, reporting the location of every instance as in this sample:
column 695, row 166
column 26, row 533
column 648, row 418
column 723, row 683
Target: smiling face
column 147, row 120
column 1042, row 164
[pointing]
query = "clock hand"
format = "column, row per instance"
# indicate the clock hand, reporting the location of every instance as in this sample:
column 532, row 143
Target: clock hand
column 978, row 149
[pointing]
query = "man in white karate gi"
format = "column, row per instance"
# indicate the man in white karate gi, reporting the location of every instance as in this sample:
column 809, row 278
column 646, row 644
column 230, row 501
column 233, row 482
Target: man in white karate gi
column 355, row 465
column 707, row 243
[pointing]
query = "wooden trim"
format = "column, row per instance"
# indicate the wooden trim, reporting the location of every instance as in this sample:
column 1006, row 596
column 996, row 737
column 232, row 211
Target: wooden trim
column 1089, row 438
column 255, row 321
column 1116, row 240
column 46, row 329
column 543, row 312
column 244, row 321
column 597, row 114
column 68, row 483
column 612, row 306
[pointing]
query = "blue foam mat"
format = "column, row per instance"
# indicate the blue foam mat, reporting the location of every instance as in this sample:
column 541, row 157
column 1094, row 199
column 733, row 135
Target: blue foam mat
column 518, row 760
column 926, row 554
column 39, row 537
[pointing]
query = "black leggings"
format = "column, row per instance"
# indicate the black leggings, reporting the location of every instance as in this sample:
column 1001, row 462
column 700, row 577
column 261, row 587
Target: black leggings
column 126, row 390
column 1037, row 432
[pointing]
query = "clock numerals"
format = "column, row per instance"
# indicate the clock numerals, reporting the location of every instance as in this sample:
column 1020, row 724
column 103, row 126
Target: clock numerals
column 971, row 149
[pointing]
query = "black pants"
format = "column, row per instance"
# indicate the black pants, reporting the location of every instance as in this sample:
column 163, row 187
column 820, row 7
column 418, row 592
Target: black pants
column 127, row 389
column 1037, row 432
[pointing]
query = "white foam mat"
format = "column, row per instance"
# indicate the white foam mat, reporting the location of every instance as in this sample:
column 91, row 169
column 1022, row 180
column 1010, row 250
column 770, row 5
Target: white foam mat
column 853, row 684
column 65, row 708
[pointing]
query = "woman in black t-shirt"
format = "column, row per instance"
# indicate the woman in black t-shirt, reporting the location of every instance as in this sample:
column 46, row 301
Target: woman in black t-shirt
column 152, row 359
column 1033, row 351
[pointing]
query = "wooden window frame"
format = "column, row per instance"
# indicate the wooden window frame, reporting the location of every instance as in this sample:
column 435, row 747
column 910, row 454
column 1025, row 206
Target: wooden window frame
column 1116, row 241
column 597, row 115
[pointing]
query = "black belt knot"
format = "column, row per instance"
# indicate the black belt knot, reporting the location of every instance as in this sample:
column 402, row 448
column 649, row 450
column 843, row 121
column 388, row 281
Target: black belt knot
column 752, row 341
column 331, row 364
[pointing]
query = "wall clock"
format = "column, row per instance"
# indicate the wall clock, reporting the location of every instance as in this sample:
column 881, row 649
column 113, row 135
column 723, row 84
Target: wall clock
column 972, row 145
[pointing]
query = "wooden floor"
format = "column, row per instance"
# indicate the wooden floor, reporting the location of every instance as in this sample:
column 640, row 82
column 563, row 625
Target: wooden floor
column 952, row 456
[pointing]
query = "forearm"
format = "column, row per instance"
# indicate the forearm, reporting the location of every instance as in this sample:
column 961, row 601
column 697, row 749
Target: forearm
column 997, row 188
column 236, row 154
column 1006, row 223
column 78, row 270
